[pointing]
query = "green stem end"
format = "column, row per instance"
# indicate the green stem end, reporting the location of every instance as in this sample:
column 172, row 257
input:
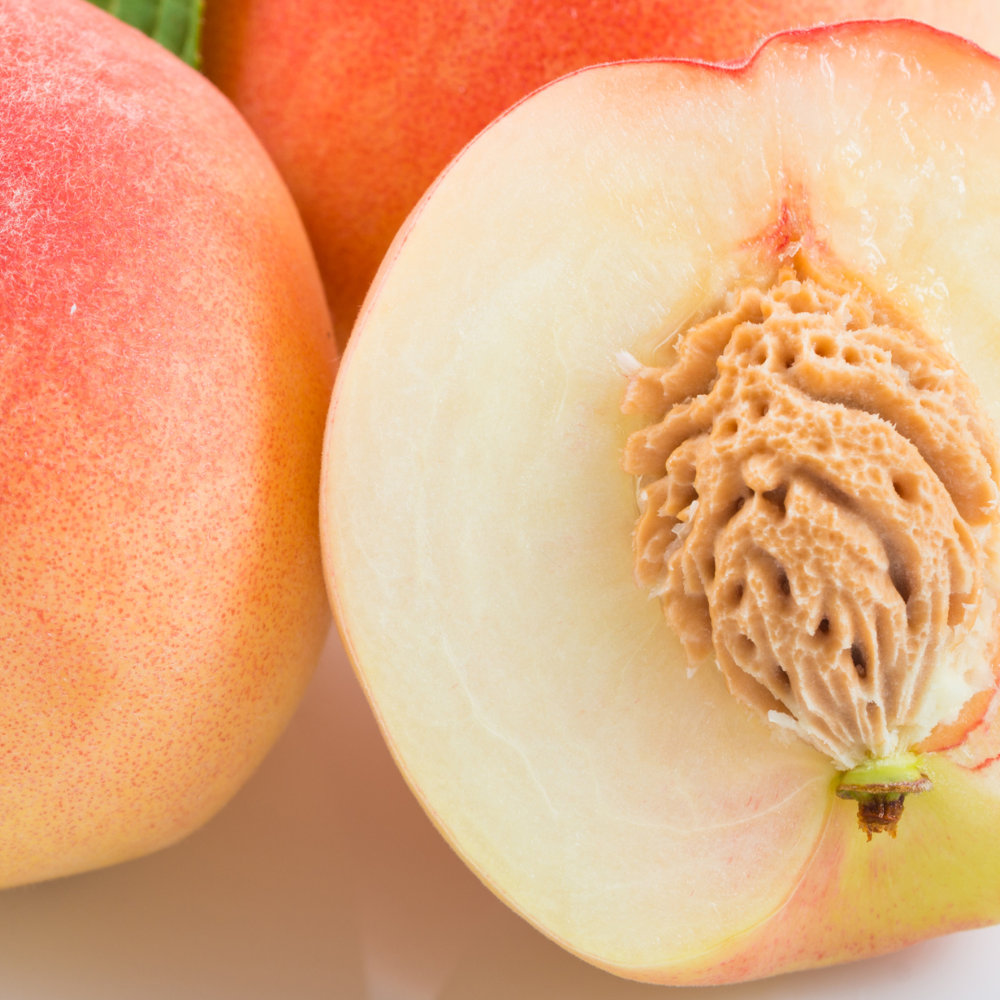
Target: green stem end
column 880, row 787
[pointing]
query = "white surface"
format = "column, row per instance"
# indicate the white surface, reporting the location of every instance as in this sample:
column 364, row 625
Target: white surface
column 323, row 879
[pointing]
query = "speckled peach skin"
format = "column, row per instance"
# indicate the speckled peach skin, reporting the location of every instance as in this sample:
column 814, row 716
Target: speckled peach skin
column 363, row 102
column 165, row 363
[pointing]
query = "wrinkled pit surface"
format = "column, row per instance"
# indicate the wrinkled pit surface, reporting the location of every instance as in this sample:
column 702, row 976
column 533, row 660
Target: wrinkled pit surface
column 817, row 505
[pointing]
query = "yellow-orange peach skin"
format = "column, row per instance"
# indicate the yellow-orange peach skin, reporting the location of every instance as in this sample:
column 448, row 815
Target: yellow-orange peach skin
column 165, row 363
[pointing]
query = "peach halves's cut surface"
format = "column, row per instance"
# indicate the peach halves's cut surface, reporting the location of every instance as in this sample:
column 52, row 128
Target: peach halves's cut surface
column 793, row 261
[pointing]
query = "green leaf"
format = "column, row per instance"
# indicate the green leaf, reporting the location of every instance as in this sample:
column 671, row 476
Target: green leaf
column 175, row 24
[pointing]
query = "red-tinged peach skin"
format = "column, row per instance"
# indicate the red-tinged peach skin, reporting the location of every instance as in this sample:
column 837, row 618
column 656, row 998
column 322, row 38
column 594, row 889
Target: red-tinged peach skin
column 165, row 362
column 857, row 899
column 363, row 102
column 656, row 816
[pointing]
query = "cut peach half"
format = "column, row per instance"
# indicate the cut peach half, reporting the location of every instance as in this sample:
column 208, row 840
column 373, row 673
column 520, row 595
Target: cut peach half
column 653, row 793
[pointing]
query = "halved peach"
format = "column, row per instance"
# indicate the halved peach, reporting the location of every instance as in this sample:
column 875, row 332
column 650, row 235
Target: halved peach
column 656, row 815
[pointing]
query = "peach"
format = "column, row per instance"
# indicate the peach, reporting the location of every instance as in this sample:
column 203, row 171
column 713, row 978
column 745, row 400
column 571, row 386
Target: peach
column 165, row 361
column 363, row 103
column 792, row 261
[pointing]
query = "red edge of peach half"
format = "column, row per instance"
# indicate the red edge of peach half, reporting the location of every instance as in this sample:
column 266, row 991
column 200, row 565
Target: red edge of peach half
column 966, row 749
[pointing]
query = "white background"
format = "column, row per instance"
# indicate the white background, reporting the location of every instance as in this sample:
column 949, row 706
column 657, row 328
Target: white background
column 323, row 879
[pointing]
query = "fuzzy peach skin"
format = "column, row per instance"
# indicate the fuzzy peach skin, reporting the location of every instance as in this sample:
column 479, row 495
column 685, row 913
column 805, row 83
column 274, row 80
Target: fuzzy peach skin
column 363, row 102
column 165, row 363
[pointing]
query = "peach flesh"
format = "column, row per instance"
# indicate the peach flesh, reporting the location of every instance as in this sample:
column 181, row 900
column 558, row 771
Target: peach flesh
column 363, row 103
column 476, row 524
column 165, row 361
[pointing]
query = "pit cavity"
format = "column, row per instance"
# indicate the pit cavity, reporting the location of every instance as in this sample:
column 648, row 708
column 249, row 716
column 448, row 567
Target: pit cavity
column 819, row 509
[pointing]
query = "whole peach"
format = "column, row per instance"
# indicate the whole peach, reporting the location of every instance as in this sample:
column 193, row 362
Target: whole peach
column 363, row 102
column 165, row 363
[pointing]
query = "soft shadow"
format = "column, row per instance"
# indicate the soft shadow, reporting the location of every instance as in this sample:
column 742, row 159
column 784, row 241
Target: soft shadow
column 510, row 959
column 259, row 904
column 324, row 879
